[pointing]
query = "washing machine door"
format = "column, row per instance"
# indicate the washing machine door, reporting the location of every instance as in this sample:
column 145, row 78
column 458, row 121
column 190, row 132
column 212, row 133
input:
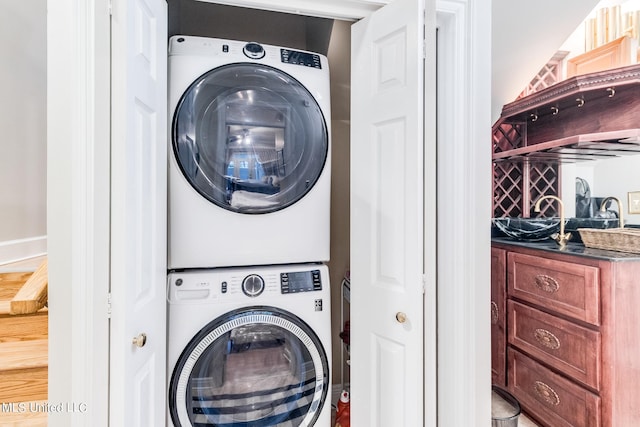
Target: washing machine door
column 258, row 366
column 250, row 138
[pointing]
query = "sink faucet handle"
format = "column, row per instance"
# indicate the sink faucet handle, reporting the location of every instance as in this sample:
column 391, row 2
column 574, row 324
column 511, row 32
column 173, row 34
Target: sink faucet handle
column 603, row 208
column 561, row 237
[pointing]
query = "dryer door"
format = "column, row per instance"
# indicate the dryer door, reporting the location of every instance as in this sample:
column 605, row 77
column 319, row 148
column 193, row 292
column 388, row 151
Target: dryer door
column 250, row 138
column 258, row 366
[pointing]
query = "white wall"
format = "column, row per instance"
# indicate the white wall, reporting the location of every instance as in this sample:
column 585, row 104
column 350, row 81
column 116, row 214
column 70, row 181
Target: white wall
column 615, row 177
column 524, row 36
column 23, row 126
column 339, row 56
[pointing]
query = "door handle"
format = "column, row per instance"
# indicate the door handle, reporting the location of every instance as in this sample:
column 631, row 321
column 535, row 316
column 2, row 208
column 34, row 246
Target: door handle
column 140, row 340
column 401, row 317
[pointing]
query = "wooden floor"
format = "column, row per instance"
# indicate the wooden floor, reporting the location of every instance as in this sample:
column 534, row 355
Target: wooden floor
column 21, row 330
column 23, row 414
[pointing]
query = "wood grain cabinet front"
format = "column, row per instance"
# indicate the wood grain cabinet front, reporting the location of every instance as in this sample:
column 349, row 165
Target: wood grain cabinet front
column 498, row 317
column 573, row 335
column 567, row 288
column 563, row 345
column 558, row 402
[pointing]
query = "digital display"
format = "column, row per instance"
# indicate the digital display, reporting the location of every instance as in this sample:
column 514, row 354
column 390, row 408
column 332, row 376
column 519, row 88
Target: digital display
column 300, row 281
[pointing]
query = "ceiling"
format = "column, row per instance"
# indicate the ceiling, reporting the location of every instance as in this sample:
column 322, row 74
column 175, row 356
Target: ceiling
column 526, row 34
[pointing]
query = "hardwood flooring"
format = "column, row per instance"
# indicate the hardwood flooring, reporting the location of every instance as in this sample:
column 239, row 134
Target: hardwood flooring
column 23, row 414
column 23, row 353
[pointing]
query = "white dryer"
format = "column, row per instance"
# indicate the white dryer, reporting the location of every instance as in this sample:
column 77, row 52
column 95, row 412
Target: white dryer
column 249, row 171
column 250, row 347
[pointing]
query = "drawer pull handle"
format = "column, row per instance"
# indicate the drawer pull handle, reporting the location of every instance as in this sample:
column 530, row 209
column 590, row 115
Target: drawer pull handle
column 547, row 339
column 494, row 313
column 547, row 283
column 546, row 393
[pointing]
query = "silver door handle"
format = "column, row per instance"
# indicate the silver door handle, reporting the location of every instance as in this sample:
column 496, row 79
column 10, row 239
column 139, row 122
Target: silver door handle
column 140, row 340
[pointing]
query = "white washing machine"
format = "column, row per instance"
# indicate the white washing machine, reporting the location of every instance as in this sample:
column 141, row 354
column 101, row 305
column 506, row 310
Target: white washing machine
column 250, row 347
column 249, row 172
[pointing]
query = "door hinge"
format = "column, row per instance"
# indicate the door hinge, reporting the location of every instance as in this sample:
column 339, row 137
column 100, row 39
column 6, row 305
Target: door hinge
column 424, row 34
column 109, row 305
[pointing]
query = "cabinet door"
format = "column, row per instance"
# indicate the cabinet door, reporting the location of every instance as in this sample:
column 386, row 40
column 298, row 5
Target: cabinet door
column 565, row 346
column 555, row 401
column 567, row 288
column 498, row 317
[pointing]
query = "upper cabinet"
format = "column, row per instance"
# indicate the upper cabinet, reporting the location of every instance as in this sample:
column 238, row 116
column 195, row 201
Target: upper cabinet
column 591, row 116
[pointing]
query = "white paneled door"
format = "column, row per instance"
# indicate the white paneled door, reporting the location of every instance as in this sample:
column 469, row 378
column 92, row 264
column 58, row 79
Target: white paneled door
column 387, row 217
column 138, row 213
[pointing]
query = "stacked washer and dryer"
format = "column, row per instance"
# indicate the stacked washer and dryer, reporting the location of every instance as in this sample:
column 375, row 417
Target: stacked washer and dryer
column 249, row 336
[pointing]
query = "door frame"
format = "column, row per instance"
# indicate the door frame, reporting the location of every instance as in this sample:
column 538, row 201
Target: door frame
column 463, row 212
column 78, row 223
column 78, row 183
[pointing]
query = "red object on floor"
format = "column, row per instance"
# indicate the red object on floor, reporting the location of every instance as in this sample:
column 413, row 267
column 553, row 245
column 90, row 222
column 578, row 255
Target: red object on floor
column 343, row 413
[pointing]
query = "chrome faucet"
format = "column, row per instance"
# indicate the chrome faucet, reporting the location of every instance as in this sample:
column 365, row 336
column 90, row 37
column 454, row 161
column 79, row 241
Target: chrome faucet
column 620, row 216
column 561, row 237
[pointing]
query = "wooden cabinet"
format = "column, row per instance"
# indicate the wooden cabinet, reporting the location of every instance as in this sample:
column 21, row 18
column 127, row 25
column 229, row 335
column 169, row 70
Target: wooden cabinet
column 586, row 117
column 573, row 334
column 498, row 317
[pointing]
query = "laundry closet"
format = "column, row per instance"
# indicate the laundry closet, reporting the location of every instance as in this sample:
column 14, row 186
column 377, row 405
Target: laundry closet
column 113, row 80
column 257, row 189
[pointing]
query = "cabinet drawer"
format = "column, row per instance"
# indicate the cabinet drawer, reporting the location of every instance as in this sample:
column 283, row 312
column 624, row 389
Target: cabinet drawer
column 564, row 287
column 556, row 401
column 565, row 346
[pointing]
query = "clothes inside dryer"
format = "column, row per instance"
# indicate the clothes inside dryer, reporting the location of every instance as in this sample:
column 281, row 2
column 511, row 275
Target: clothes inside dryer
column 250, row 138
column 254, row 371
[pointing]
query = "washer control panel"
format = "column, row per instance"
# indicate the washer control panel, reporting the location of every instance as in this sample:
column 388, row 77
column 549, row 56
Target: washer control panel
column 300, row 281
column 230, row 285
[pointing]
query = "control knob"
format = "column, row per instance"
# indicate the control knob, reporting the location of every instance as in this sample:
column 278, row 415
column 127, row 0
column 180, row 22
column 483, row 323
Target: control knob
column 253, row 285
column 253, row 50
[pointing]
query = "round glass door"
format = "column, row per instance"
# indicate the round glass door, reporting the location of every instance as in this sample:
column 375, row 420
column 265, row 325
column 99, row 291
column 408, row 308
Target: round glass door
column 250, row 138
column 253, row 367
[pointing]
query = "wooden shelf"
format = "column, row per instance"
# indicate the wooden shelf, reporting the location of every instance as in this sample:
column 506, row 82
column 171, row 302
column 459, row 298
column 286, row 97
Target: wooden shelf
column 593, row 84
column 587, row 117
column 576, row 148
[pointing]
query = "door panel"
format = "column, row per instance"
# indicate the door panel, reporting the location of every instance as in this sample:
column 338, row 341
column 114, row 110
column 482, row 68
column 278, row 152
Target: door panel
column 387, row 217
column 138, row 215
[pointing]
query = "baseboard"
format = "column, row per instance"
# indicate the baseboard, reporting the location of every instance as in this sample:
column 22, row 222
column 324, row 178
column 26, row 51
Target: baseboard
column 19, row 250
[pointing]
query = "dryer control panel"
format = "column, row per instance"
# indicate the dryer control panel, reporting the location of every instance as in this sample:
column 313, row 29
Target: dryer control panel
column 300, row 281
column 307, row 59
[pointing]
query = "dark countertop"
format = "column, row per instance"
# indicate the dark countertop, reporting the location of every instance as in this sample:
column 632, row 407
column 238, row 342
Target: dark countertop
column 578, row 249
